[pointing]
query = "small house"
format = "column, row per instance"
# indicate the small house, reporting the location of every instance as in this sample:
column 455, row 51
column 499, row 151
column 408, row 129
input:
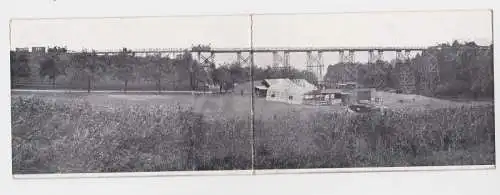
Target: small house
column 287, row 90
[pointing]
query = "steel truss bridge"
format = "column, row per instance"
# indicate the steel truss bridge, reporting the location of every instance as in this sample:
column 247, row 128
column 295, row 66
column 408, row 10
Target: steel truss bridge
column 281, row 55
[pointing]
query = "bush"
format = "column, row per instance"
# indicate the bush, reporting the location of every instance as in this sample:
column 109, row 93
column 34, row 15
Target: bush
column 75, row 137
column 450, row 136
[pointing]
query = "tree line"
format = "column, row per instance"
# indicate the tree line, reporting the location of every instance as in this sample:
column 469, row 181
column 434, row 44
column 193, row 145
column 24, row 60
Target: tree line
column 463, row 70
column 181, row 72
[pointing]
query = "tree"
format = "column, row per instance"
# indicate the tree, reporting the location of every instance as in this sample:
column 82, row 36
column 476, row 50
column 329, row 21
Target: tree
column 260, row 73
column 85, row 66
column 342, row 72
column 222, row 77
column 482, row 76
column 164, row 68
column 201, row 74
column 307, row 75
column 124, row 68
column 49, row 68
column 181, row 73
column 455, row 43
column 184, row 64
column 18, row 66
column 156, row 68
column 153, row 73
column 464, row 70
column 238, row 73
column 375, row 75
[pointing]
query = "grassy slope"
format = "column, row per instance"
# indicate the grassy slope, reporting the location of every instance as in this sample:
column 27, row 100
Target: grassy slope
column 447, row 136
column 75, row 136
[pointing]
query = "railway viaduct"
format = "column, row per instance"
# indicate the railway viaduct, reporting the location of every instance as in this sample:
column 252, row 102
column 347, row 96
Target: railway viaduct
column 281, row 55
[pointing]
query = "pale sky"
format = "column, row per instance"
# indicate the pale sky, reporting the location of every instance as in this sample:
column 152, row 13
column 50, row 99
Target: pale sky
column 320, row 30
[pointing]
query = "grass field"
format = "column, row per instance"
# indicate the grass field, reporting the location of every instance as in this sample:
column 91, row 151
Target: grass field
column 58, row 132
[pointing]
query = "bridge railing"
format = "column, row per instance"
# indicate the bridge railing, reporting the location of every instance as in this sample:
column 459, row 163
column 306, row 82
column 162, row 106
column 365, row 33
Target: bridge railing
column 264, row 49
column 272, row 49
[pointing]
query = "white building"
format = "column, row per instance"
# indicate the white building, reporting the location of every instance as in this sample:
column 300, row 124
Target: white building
column 287, row 90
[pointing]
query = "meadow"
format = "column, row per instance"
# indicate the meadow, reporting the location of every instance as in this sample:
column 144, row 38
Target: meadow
column 444, row 136
column 82, row 133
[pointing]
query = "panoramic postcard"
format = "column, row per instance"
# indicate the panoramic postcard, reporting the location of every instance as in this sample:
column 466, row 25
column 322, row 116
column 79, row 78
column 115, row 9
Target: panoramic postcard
column 252, row 92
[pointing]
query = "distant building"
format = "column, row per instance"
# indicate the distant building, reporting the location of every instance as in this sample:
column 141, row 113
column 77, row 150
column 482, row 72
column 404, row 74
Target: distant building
column 22, row 49
column 327, row 96
column 346, row 93
column 290, row 91
column 299, row 91
column 38, row 49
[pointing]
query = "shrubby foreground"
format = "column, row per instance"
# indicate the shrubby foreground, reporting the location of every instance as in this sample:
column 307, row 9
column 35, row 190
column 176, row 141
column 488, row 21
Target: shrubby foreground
column 49, row 137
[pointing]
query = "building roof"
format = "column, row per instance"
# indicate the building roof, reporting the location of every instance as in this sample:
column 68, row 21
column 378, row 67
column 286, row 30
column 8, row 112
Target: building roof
column 296, row 85
column 274, row 81
column 303, row 83
column 260, row 87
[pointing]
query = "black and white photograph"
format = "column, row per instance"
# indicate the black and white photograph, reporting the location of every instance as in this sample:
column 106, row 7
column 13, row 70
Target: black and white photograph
column 252, row 92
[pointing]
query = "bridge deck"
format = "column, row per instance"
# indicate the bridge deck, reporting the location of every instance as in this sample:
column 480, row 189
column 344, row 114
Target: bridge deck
column 264, row 49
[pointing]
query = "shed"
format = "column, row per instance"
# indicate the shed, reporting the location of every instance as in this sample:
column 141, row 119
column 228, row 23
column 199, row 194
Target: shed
column 260, row 91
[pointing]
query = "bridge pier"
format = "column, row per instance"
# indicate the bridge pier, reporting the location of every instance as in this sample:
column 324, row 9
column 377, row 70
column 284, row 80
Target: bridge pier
column 431, row 75
column 349, row 58
column 374, row 57
column 403, row 55
column 157, row 55
column 206, row 61
column 281, row 61
column 314, row 64
column 407, row 80
column 168, row 55
column 241, row 60
column 399, row 56
column 407, row 54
